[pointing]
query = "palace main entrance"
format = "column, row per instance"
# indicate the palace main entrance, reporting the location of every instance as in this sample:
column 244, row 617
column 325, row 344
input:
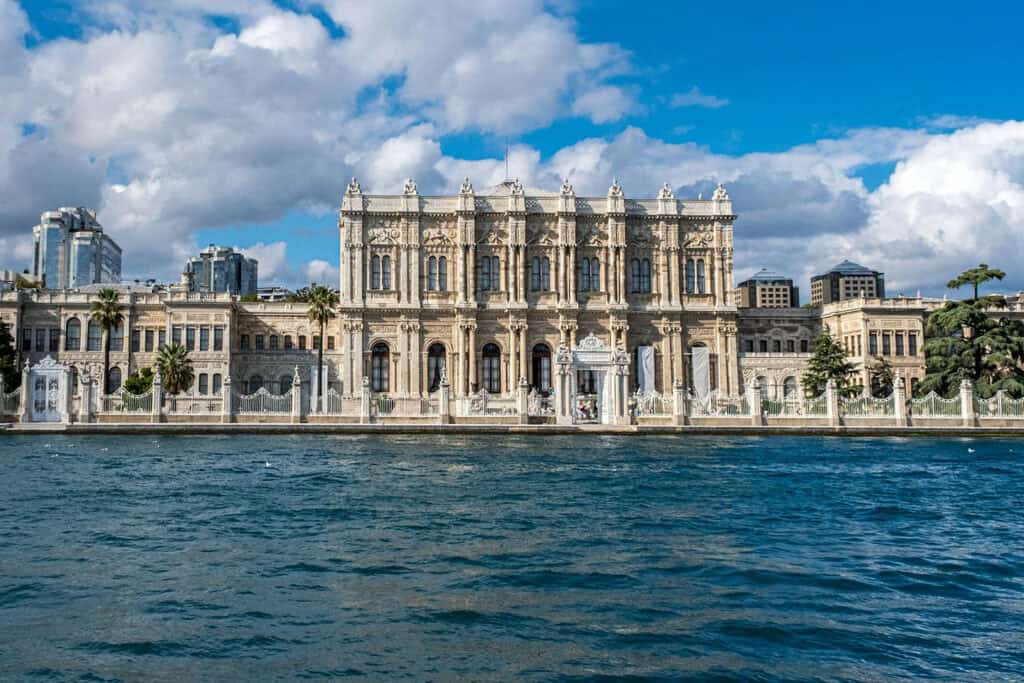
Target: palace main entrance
column 592, row 384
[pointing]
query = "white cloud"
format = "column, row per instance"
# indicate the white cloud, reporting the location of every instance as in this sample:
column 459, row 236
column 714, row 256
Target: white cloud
column 272, row 259
column 695, row 98
column 604, row 104
column 322, row 272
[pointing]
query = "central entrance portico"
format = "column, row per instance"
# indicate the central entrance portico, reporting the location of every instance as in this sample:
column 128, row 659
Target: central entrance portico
column 592, row 384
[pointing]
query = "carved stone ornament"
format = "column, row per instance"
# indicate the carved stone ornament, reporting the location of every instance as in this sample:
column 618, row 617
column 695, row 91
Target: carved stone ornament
column 517, row 187
column 699, row 240
column 296, row 379
column 436, row 236
column 592, row 343
column 46, row 364
column 353, row 187
column 410, row 186
column 383, row 236
column 665, row 192
column 467, row 187
column 720, row 194
column 615, row 190
column 567, row 187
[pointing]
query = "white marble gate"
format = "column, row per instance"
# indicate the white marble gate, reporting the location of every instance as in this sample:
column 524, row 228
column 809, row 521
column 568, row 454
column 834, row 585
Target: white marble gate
column 46, row 392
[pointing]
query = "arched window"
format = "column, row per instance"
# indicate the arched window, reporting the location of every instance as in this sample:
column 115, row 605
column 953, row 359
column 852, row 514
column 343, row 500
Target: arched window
column 595, row 275
column 700, row 276
column 113, row 379
column 255, row 384
column 73, row 334
column 385, row 272
column 217, row 385
column 435, row 366
column 273, row 342
column 585, row 275
column 442, row 274
column 535, row 274
column 634, row 275
column 542, row 367
column 690, row 277
column 95, row 336
column 285, row 384
column 762, row 383
column 485, row 274
column 204, row 383
column 380, row 358
column 432, row 274
column 375, row 272
column 790, row 388
column 117, row 338
column 645, row 276
column 492, row 368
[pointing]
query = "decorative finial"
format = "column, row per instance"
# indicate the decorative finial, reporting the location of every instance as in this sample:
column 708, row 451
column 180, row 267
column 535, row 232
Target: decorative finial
column 296, row 379
column 410, row 186
column 665, row 192
column 517, row 187
column 566, row 187
column 353, row 187
column 467, row 187
column 720, row 194
column 615, row 190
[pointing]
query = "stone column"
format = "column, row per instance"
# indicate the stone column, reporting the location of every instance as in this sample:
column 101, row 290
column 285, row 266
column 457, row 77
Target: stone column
column 471, row 275
column 571, row 275
column 523, row 356
column 297, row 397
column 443, row 400
column 513, row 356
column 364, row 402
column 899, row 397
column 754, row 402
column 563, row 386
column 158, row 397
column 226, row 401
column 678, row 355
column 967, row 413
column 460, row 271
column 358, row 270
column 523, row 401
column 472, row 357
column 513, row 273
column 832, row 403
column 679, row 402
column 85, row 399
column 622, row 275
column 26, row 396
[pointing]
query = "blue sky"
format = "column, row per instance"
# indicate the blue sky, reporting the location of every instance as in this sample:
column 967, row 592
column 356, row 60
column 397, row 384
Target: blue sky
column 879, row 132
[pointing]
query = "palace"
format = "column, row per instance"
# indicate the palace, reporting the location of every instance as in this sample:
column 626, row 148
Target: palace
column 485, row 290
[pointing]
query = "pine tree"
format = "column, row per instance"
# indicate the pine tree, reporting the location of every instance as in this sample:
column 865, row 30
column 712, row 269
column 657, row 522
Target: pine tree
column 828, row 362
column 882, row 378
column 8, row 359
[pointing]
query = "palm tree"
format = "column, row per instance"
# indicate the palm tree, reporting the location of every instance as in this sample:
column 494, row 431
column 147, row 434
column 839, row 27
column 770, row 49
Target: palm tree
column 175, row 368
column 321, row 301
column 106, row 311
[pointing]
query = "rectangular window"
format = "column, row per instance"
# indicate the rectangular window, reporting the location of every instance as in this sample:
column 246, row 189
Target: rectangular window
column 136, row 340
column 26, row 339
column 287, row 342
column 873, row 344
column 912, row 344
column 216, row 383
column 54, row 339
column 273, row 342
column 302, row 342
column 161, row 338
column 73, row 340
column 316, row 341
column 762, row 346
column 803, row 346
column 790, row 345
column 886, row 344
column 243, row 342
column 330, row 342
column 218, row 338
column 204, row 383
column 149, row 341
column 776, row 346
column 190, row 338
column 117, row 338
column 176, row 334
column 92, row 342
column 204, row 338
column 259, row 342
column 40, row 340
column 899, row 343
column 748, row 345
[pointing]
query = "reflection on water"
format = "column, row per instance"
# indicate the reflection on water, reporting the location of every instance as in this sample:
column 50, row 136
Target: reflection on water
column 486, row 558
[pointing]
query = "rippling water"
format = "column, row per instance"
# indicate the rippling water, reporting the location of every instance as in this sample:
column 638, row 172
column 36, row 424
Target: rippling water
column 488, row 558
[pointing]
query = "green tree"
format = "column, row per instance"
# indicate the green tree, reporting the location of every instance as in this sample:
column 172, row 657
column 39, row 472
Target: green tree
column 175, row 368
column 8, row 359
column 828, row 362
column 965, row 340
column 249, row 298
column 322, row 301
column 106, row 311
column 140, row 381
column 882, row 378
column 301, row 295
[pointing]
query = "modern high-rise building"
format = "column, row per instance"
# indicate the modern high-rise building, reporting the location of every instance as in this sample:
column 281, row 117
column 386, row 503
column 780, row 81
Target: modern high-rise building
column 765, row 289
column 847, row 280
column 222, row 269
column 71, row 250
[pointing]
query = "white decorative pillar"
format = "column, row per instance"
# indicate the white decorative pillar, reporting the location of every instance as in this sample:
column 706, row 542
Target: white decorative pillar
column 226, row 401
column 523, row 400
column 899, row 398
column 563, row 386
column 473, row 381
column 754, row 402
column 460, row 269
column 523, row 355
column 297, row 397
column 679, row 402
column 85, row 398
column 471, row 275
column 364, row 402
column 443, row 400
column 26, row 396
column 158, row 397
column 967, row 412
column 513, row 356
column 832, row 403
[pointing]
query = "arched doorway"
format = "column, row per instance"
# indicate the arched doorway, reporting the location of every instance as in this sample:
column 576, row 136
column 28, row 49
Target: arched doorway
column 542, row 368
column 380, row 360
column 435, row 366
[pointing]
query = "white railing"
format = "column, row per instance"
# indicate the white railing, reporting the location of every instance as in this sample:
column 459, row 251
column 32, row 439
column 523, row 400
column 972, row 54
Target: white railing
column 126, row 402
column 192, row 404
column 539, row 405
column 784, row 407
column 716, row 405
column 408, row 406
column 653, row 404
column 1000, row 405
column 866, row 406
column 483, row 403
column 10, row 402
column 336, row 404
column 934, row 405
column 816, row 407
column 262, row 402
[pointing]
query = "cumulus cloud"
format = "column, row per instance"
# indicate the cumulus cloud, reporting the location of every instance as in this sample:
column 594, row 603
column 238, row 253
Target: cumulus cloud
column 695, row 98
